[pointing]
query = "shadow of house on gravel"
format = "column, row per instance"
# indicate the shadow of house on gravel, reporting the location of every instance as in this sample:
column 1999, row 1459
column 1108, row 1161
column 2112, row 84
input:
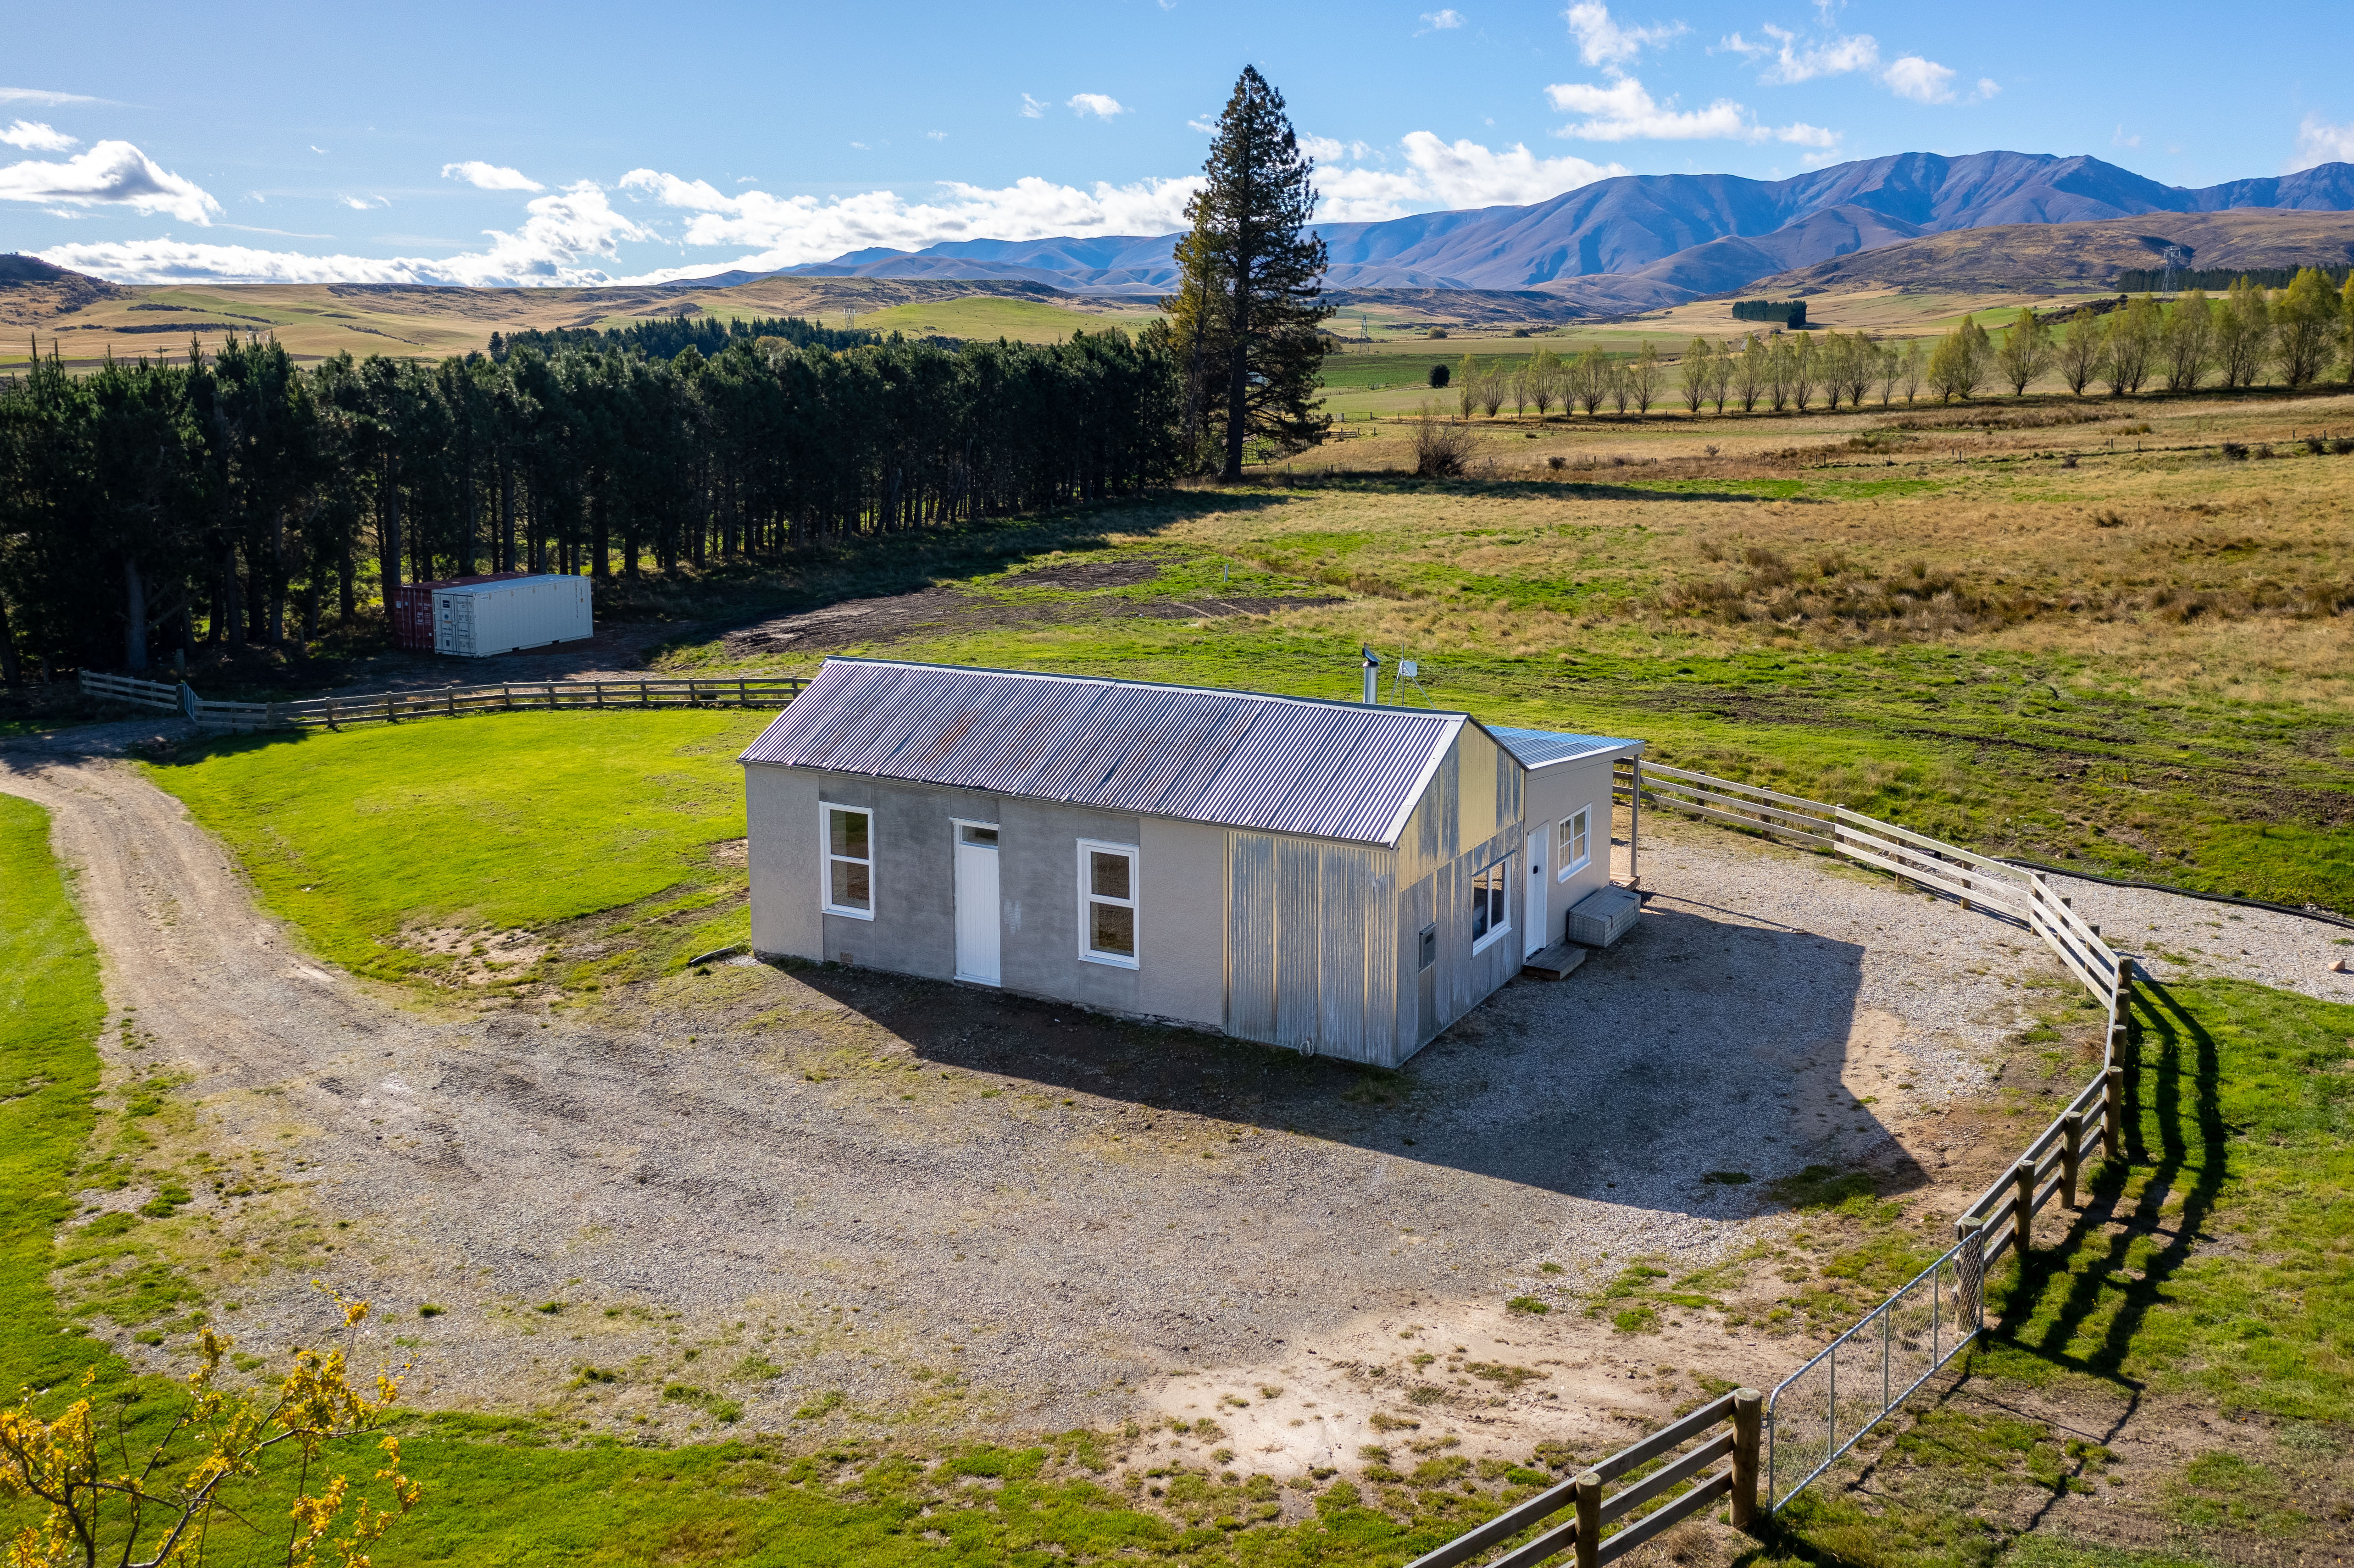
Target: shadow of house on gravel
column 1686, row 1070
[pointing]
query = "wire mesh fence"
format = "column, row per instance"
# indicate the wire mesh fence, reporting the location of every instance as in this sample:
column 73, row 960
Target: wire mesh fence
column 1821, row 1409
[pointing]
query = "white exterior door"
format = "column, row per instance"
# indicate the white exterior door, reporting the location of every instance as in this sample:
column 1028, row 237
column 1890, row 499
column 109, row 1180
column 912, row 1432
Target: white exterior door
column 1535, row 933
column 977, row 919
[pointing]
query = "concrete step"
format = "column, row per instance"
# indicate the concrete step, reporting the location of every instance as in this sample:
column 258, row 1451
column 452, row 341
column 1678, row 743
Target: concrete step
column 1557, row 962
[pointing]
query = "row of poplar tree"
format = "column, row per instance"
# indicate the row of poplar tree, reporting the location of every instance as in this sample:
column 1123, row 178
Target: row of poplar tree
column 2301, row 334
column 244, row 499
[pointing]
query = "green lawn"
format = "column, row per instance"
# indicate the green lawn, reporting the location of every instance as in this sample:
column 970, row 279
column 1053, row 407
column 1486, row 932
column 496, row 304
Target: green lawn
column 2206, row 1290
column 2220, row 1285
column 51, row 1014
column 513, row 821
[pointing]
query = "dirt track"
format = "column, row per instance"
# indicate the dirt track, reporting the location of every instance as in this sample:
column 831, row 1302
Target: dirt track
column 980, row 1210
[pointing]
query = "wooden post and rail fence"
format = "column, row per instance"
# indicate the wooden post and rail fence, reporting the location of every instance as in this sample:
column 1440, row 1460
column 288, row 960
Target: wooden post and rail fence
column 341, row 712
column 1818, row 1413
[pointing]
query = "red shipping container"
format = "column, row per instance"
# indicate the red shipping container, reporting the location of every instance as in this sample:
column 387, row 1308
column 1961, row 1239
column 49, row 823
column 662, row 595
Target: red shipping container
column 412, row 609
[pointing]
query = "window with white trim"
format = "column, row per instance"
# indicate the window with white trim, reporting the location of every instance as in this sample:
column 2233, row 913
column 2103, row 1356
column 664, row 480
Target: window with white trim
column 1574, row 851
column 1108, row 903
column 1491, row 910
column 849, row 868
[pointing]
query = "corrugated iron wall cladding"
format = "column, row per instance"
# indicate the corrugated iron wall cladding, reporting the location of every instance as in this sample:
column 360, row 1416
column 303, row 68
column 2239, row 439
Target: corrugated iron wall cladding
column 1250, row 937
column 1311, row 952
column 1359, row 964
column 1299, row 942
column 1233, row 758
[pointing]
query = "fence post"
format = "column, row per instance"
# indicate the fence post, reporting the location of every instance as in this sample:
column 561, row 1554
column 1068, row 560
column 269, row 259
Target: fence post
column 2072, row 1145
column 331, row 716
column 508, row 692
column 388, row 709
column 2023, row 1175
column 1970, row 1274
column 1589, row 1520
column 1635, row 828
column 1748, row 1422
column 2113, row 1113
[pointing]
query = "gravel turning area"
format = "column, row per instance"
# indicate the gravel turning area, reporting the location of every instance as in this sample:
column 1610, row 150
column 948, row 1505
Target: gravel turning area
column 831, row 1191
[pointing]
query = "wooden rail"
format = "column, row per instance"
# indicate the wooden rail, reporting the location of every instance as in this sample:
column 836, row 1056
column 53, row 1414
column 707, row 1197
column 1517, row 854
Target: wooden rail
column 2091, row 1124
column 449, row 702
column 1680, row 1481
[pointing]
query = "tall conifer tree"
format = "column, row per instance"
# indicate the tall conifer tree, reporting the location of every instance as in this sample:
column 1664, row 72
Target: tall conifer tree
column 1248, row 307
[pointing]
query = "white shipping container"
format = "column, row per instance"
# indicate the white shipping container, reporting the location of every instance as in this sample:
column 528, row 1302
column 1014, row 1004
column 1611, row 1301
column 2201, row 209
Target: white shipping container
column 475, row 621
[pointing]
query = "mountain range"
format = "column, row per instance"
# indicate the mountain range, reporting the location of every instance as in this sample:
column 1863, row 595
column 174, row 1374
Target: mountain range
column 1640, row 241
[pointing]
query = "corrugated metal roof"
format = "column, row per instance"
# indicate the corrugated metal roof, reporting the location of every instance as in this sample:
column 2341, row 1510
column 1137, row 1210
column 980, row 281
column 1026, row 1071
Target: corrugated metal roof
column 1242, row 759
column 1543, row 747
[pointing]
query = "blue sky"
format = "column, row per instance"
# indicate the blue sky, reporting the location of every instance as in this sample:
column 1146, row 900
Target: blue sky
column 539, row 144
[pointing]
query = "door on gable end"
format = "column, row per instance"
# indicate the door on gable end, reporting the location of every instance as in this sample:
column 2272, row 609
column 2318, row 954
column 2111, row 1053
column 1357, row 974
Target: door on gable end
column 1533, row 937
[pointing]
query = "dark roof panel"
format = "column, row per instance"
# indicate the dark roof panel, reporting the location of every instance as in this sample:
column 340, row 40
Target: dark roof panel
column 1244, row 759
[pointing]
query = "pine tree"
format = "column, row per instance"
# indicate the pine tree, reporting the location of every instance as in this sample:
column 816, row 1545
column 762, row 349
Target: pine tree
column 1250, row 252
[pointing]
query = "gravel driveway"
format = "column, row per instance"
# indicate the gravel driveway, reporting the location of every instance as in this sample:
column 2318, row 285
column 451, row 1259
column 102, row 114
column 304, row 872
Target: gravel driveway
column 829, row 1194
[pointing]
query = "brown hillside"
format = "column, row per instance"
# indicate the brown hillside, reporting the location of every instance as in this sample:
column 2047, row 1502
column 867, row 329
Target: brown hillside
column 2061, row 255
column 85, row 319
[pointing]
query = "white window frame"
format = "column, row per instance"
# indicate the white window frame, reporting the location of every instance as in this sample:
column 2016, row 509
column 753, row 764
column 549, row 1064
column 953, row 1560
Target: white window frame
column 826, row 857
column 1502, row 867
column 961, row 824
column 1584, row 838
column 1090, row 898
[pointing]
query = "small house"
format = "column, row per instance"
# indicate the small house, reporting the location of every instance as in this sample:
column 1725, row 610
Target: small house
column 1336, row 877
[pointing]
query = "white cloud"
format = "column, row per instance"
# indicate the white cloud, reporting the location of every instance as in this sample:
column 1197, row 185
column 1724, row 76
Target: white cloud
column 561, row 230
column 1988, row 88
column 1733, row 43
column 1439, row 22
column 1840, row 54
column 1604, row 42
column 2118, row 138
column 1324, row 149
column 936, row 135
column 785, row 231
column 1204, row 125
column 37, row 95
column 1103, row 106
column 488, row 176
column 35, row 137
column 2319, row 141
column 1922, row 80
column 1033, row 108
column 1624, row 112
column 1450, row 175
column 111, row 174
column 357, row 204
column 320, row 151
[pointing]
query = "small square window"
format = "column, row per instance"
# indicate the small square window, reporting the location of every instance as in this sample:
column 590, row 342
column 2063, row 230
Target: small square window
column 1429, row 947
column 1574, row 849
column 1490, row 904
column 848, row 887
column 1107, row 895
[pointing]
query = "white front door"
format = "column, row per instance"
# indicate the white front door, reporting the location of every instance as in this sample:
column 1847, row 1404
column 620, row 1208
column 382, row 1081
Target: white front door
column 1535, row 936
column 977, row 918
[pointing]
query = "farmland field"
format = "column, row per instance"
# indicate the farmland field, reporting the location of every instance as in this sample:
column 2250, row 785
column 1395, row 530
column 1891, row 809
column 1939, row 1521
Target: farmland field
column 2082, row 634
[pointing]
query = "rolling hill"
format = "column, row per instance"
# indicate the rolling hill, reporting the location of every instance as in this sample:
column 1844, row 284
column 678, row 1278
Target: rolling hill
column 2024, row 256
column 1645, row 241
